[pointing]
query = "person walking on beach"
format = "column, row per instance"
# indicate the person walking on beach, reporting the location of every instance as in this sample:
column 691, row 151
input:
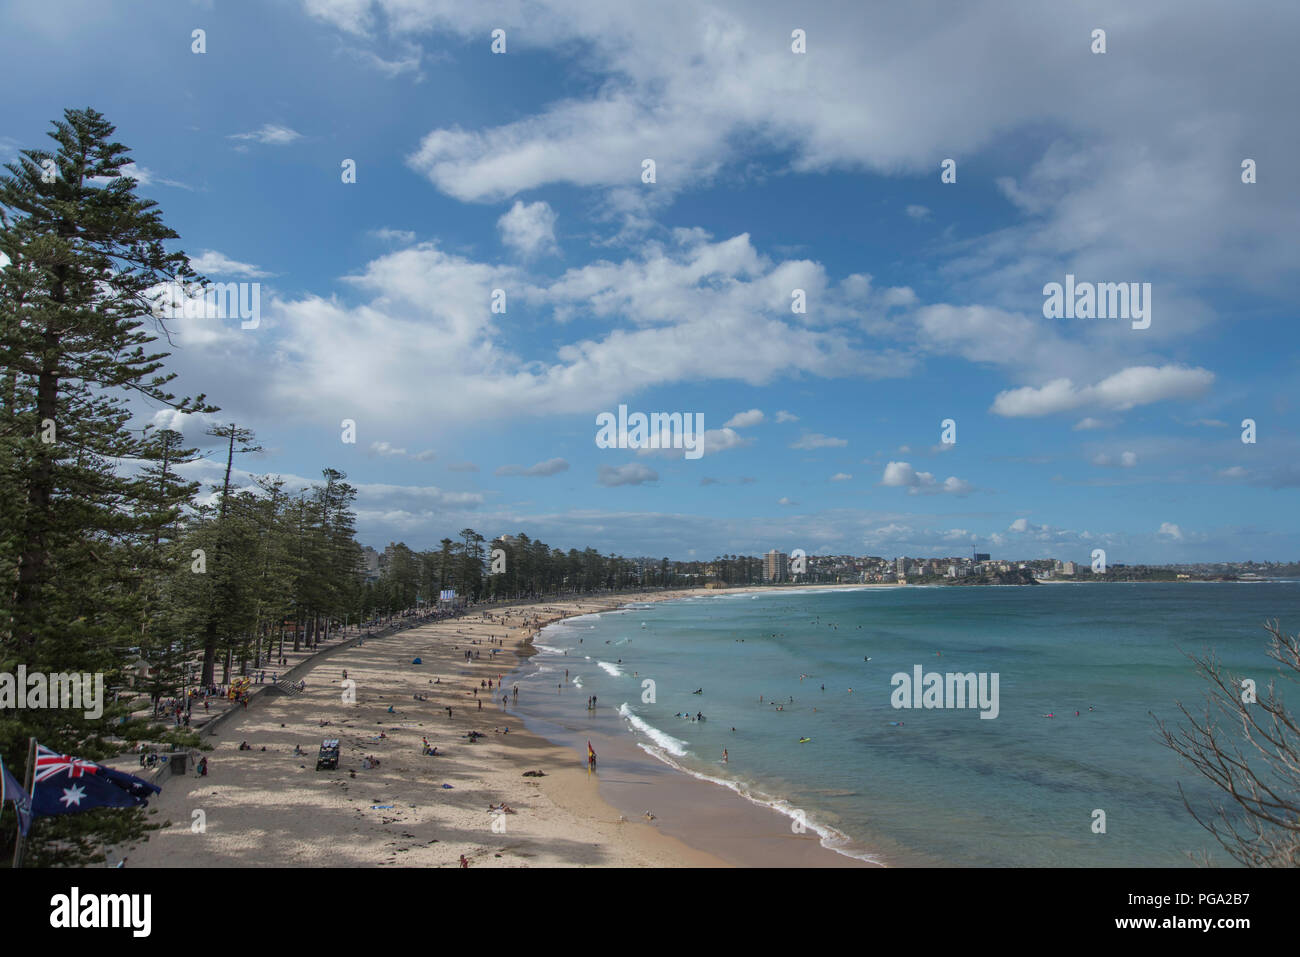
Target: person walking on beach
column 724, row 755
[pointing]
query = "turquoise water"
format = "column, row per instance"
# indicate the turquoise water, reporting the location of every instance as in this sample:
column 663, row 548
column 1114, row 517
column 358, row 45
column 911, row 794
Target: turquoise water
column 945, row 786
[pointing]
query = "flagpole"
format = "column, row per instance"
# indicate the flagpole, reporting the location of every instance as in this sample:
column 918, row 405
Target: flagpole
column 30, row 784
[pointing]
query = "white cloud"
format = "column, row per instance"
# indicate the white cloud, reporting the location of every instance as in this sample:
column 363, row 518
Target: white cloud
column 1134, row 386
column 841, row 477
column 211, row 262
column 706, row 86
column 529, row 229
column 147, row 177
column 1087, row 423
column 702, row 311
column 549, row 467
column 743, row 420
column 918, row 212
column 1169, row 530
column 404, row 236
column 269, row 135
column 784, row 416
column 388, row 450
column 1126, row 460
column 785, row 500
column 902, row 475
column 633, row 474
column 815, row 440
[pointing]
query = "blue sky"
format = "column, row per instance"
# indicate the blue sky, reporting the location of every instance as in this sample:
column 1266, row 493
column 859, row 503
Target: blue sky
column 775, row 171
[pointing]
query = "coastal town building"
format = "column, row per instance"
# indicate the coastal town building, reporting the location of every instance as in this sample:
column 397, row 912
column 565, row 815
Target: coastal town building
column 776, row 566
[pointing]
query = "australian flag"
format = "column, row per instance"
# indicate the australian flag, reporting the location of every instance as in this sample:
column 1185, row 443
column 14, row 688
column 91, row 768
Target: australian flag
column 65, row 785
column 11, row 790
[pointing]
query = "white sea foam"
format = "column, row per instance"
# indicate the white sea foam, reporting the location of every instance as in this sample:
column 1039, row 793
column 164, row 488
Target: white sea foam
column 665, row 741
column 577, row 681
column 610, row 669
column 830, row 838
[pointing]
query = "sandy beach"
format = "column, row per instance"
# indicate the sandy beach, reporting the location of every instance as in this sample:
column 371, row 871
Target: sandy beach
column 272, row 807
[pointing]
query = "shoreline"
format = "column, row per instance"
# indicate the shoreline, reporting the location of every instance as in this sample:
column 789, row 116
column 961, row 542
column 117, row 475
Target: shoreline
column 712, row 814
column 271, row 807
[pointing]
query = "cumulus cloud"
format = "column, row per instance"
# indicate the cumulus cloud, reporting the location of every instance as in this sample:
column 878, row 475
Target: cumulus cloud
column 841, row 477
column 421, row 343
column 1134, row 386
column 633, row 474
column 1170, row 531
column 902, row 475
column 529, row 229
column 784, row 416
column 743, row 420
column 918, row 212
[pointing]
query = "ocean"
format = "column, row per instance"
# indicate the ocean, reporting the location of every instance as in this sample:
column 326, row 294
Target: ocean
column 924, row 786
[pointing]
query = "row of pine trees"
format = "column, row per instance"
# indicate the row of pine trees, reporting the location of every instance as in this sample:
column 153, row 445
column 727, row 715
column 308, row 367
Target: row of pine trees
column 109, row 553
